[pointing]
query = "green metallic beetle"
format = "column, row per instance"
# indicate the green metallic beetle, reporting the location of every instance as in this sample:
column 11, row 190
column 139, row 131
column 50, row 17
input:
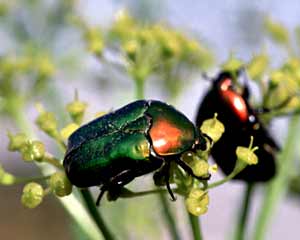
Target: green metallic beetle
column 139, row 138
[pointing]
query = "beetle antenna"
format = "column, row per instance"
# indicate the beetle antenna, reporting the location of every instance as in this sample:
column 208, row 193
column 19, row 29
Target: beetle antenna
column 205, row 77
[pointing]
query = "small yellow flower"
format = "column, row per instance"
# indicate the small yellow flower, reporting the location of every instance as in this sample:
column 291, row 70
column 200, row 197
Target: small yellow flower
column 46, row 121
column 76, row 109
column 68, row 130
column 197, row 202
column 94, row 39
column 33, row 151
column 60, row 184
column 257, row 66
column 277, row 31
column 16, row 142
column 246, row 154
column 131, row 49
column 33, row 194
column 232, row 65
column 100, row 114
column 213, row 128
column 6, row 178
column 45, row 66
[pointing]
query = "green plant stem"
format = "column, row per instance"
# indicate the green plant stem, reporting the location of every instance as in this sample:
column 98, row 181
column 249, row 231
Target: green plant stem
column 90, row 204
column 53, row 161
column 19, row 180
column 139, row 89
column 227, row 178
column 195, row 225
column 168, row 217
column 276, row 189
column 243, row 213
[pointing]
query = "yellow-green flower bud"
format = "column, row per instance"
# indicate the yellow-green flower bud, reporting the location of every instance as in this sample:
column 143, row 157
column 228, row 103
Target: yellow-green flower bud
column 197, row 202
column 258, row 66
column 100, row 114
column 47, row 122
column 16, row 142
column 200, row 168
column 246, row 154
column 33, row 194
column 33, row 151
column 277, row 31
column 232, row 65
column 94, row 39
column 6, row 178
column 60, row 184
column 275, row 78
column 66, row 132
column 45, row 67
column 76, row 109
column 131, row 48
column 213, row 128
column 169, row 41
column 213, row 168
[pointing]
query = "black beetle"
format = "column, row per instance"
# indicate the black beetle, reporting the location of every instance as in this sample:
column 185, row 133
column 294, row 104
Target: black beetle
column 241, row 121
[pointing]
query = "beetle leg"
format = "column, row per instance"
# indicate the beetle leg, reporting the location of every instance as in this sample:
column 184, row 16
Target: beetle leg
column 164, row 174
column 188, row 169
column 115, row 185
column 102, row 191
column 167, row 178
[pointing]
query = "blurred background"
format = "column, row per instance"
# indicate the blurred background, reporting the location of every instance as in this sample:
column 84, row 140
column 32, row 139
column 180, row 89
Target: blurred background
column 56, row 38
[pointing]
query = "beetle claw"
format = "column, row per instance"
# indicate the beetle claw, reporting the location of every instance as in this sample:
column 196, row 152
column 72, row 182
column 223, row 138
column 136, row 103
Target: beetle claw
column 102, row 191
column 204, row 178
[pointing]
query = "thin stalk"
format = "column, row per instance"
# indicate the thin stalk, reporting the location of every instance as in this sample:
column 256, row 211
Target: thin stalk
column 276, row 189
column 53, row 161
column 90, row 204
column 244, row 212
column 169, row 217
column 19, row 180
column 195, row 225
column 222, row 181
column 139, row 88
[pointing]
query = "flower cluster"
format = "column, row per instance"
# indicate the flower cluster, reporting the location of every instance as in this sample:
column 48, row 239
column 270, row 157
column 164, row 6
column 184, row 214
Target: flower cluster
column 35, row 151
column 148, row 49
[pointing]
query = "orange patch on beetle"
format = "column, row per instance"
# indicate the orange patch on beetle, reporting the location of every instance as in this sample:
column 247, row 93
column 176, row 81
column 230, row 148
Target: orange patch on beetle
column 234, row 100
column 165, row 137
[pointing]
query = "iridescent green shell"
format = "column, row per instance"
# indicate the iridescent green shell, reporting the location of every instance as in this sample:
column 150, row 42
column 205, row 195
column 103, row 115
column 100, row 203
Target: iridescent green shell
column 135, row 138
